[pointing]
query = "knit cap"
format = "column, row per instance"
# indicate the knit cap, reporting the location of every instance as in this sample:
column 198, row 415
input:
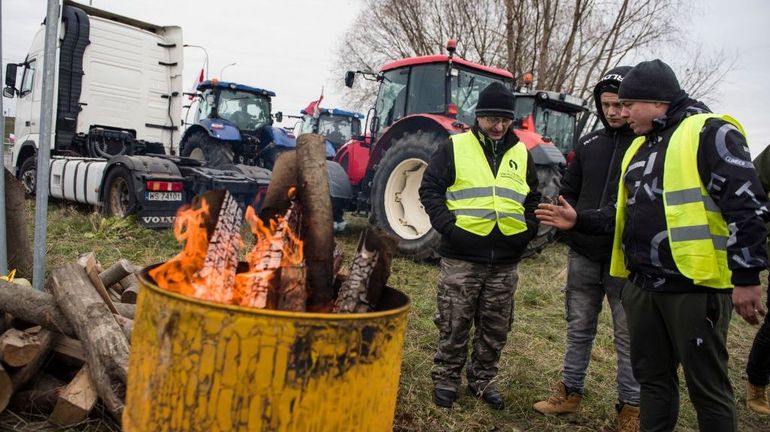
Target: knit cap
column 650, row 81
column 496, row 100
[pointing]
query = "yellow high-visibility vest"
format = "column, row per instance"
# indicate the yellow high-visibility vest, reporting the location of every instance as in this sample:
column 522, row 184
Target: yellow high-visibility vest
column 697, row 232
column 478, row 199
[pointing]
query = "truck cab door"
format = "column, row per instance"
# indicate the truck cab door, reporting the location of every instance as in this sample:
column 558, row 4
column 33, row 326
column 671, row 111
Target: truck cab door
column 28, row 104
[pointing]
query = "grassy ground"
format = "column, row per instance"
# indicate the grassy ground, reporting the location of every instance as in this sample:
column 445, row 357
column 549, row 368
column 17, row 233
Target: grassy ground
column 530, row 363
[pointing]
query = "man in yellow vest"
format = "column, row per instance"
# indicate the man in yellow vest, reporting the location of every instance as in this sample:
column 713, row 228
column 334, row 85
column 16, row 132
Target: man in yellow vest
column 480, row 191
column 689, row 231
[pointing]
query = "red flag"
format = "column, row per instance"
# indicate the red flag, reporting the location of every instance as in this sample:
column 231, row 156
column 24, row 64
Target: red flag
column 314, row 108
column 194, row 89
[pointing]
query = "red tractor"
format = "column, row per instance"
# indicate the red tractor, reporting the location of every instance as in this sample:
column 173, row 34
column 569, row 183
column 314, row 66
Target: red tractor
column 421, row 102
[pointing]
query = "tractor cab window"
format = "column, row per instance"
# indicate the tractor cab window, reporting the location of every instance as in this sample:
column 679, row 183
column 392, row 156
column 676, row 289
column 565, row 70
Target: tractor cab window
column 248, row 111
column 465, row 88
column 338, row 129
column 28, row 79
column 557, row 125
column 206, row 104
column 427, row 91
column 391, row 100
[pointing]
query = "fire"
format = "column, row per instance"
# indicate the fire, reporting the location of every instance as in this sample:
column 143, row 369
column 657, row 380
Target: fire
column 206, row 267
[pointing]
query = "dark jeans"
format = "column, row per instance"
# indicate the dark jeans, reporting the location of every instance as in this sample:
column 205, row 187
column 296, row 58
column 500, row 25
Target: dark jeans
column 758, row 367
column 669, row 329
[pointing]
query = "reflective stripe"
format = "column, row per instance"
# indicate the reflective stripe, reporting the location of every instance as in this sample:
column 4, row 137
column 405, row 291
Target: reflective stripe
column 720, row 242
column 476, row 192
column 687, row 196
column 479, row 213
column 683, row 196
column 511, row 194
column 517, row 216
column 698, row 232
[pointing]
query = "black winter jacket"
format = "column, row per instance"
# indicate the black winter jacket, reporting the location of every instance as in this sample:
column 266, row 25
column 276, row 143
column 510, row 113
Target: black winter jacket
column 726, row 171
column 458, row 243
column 591, row 180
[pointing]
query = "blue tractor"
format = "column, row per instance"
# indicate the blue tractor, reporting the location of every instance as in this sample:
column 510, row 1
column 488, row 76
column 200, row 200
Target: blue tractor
column 234, row 125
column 336, row 125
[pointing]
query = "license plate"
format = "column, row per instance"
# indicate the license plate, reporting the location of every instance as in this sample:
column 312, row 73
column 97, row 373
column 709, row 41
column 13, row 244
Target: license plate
column 163, row 196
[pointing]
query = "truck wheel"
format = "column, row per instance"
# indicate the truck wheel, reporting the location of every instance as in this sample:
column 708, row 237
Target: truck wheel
column 28, row 175
column 396, row 205
column 213, row 152
column 119, row 197
column 549, row 178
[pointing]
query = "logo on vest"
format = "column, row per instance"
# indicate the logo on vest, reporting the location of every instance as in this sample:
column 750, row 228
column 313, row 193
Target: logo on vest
column 512, row 173
column 513, row 164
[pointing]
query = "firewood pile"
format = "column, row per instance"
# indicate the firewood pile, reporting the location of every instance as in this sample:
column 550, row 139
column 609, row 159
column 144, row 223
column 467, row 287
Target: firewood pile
column 65, row 348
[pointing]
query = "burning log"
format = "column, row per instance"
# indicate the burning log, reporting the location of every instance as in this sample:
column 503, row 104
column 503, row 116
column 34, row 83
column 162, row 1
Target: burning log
column 206, row 267
column 317, row 231
column 41, row 309
column 103, row 340
column 369, row 273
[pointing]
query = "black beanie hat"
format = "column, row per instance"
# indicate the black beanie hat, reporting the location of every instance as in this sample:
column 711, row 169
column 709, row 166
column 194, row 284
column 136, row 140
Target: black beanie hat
column 495, row 101
column 651, row 81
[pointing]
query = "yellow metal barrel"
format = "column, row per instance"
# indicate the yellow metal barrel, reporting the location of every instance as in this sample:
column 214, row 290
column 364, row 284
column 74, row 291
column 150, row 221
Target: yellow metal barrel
column 200, row 366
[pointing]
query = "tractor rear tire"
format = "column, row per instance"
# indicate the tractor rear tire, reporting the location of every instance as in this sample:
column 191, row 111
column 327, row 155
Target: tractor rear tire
column 213, row 152
column 395, row 201
column 549, row 180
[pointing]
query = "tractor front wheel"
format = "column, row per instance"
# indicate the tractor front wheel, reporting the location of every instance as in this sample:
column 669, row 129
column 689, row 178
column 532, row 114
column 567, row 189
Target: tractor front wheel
column 213, row 152
column 396, row 205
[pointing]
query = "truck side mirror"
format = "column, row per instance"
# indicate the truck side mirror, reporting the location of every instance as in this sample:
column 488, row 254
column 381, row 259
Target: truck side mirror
column 349, row 77
column 9, row 92
column 279, row 116
column 10, row 75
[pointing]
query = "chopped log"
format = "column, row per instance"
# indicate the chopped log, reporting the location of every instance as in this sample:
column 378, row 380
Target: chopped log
column 114, row 273
column 369, row 273
column 103, row 340
column 41, row 309
column 130, row 291
column 126, row 326
column 317, row 231
column 114, row 296
column 292, row 295
column 6, row 388
column 22, row 376
column 70, row 350
column 93, row 275
column 41, row 396
column 18, row 347
column 284, row 177
column 75, row 401
column 20, row 248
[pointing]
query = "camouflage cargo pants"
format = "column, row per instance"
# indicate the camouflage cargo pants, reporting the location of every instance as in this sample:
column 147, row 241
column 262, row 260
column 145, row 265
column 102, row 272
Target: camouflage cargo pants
column 472, row 294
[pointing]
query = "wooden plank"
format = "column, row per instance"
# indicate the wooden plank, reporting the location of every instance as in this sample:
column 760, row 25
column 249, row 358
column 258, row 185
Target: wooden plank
column 70, row 349
column 75, row 401
column 93, row 275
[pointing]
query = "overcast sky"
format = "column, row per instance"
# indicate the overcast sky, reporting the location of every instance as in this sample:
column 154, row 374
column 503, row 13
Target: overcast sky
column 288, row 46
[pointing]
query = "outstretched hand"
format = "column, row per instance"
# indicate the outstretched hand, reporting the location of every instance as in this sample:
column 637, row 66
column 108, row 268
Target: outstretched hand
column 561, row 216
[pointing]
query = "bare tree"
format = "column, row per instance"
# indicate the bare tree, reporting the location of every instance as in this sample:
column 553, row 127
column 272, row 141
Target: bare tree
column 567, row 44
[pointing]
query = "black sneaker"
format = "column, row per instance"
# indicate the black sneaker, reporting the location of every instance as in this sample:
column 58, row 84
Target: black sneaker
column 444, row 398
column 489, row 395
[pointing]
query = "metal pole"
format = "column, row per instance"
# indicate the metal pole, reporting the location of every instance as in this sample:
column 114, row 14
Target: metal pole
column 205, row 62
column 222, row 72
column 3, row 242
column 44, row 148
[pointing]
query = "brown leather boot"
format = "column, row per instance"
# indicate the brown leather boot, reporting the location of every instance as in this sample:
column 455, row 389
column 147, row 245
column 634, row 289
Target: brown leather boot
column 628, row 418
column 756, row 399
column 559, row 402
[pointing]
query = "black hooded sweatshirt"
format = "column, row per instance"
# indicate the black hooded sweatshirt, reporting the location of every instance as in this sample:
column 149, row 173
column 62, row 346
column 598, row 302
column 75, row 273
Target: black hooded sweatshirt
column 591, row 180
column 495, row 248
column 725, row 169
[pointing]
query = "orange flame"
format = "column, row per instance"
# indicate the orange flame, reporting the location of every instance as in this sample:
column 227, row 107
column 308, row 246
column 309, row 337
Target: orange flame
column 276, row 246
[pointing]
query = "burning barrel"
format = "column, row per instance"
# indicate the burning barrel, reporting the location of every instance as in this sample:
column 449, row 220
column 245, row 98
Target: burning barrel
column 223, row 346
column 201, row 366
